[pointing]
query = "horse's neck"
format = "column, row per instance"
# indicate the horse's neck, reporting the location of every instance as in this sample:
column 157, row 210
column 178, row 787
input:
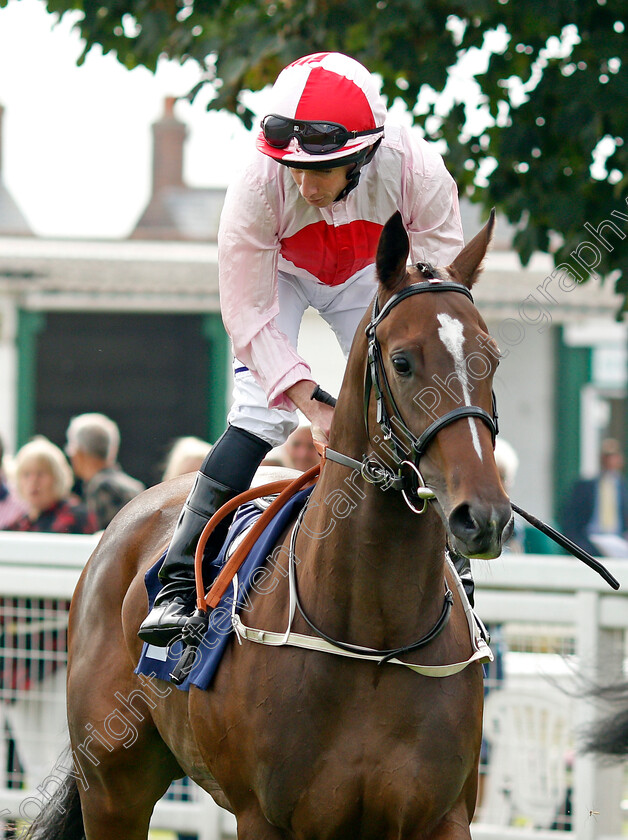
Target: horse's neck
column 372, row 568
column 369, row 568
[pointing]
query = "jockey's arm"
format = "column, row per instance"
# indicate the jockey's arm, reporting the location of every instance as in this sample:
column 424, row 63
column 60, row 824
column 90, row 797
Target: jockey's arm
column 319, row 414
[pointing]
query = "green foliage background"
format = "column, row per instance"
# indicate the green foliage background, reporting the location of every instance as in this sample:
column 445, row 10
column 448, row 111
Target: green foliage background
column 545, row 114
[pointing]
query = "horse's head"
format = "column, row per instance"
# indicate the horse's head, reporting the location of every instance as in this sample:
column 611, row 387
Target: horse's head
column 431, row 362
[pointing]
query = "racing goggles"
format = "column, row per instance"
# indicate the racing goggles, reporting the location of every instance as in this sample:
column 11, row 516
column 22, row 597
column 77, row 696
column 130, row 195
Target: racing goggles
column 316, row 137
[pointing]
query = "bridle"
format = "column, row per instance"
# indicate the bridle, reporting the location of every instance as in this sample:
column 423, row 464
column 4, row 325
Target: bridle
column 406, row 475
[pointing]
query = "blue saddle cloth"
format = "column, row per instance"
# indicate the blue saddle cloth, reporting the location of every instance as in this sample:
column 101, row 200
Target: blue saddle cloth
column 159, row 662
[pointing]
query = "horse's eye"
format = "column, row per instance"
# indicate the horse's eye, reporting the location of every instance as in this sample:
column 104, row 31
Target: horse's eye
column 401, row 365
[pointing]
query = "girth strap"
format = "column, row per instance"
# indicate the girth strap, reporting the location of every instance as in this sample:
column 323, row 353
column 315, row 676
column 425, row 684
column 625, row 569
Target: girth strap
column 481, row 652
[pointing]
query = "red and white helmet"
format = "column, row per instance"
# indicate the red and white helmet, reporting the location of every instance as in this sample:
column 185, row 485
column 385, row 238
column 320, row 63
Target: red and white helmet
column 326, row 87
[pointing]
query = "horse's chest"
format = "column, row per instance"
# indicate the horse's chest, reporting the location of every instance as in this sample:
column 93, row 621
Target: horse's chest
column 345, row 755
column 351, row 792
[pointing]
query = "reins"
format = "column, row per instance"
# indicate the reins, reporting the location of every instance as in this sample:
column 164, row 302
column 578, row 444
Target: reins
column 197, row 624
column 286, row 489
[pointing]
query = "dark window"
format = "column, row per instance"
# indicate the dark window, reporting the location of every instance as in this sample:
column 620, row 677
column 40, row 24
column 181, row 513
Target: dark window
column 147, row 372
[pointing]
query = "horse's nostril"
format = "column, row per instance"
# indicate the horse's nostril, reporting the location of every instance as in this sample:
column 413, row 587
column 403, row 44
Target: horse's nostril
column 481, row 529
column 509, row 527
column 462, row 522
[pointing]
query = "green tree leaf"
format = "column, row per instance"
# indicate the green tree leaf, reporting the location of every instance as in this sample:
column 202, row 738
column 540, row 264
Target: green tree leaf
column 554, row 89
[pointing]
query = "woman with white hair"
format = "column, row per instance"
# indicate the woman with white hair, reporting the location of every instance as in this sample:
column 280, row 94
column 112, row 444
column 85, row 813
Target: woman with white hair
column 44, row 482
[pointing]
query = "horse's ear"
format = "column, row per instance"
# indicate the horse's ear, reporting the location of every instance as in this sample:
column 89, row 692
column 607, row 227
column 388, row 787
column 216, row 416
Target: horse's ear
column 467, row 266
column 392, row 253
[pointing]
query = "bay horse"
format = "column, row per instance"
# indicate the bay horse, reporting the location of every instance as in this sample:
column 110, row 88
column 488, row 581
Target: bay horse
column 297, row 743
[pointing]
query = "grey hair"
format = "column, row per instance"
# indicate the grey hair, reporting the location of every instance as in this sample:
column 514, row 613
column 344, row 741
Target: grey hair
column 44, row 451
column 507, row 462
column 95, row 434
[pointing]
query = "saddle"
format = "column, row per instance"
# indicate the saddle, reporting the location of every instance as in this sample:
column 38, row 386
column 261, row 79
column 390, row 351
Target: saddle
column 271, row 475
column 259, row 522
column 279, row 492
column 246, row 517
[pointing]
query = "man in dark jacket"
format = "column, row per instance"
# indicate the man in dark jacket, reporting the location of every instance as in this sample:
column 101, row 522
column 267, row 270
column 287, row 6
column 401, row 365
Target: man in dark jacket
column 598, row 507
column 92, row 446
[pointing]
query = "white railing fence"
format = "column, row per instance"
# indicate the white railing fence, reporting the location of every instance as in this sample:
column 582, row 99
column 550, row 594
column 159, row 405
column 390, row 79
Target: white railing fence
column 552, row 619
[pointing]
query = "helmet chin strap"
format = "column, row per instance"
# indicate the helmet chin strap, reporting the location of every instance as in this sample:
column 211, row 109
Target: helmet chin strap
column 353, row 176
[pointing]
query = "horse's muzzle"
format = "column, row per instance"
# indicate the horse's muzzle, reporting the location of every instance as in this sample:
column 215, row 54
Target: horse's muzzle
column 481, row 530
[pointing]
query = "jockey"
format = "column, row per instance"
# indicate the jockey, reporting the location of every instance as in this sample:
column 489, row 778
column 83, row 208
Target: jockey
column 300, row 228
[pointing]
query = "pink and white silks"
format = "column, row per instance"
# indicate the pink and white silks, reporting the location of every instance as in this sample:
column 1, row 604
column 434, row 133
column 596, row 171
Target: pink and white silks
column 278, row 255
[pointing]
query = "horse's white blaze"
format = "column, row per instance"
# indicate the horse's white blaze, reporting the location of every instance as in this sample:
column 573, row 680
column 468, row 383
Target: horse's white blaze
column 450, row 333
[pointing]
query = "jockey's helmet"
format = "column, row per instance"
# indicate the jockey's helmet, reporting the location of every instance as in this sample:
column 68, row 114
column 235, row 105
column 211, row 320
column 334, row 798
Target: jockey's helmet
column 326, row 111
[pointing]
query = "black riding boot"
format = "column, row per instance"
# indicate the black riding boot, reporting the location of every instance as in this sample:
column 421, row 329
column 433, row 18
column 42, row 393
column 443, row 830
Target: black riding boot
column 228, row 470
column 463, row 567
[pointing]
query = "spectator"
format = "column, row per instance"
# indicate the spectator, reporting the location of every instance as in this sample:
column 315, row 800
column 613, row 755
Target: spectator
column 595, row 516
column 301, row 450
column 92, row 445
column 11, row 506
column 32, row 673
column 507, row 462
column 186, row 455
column 44, row 482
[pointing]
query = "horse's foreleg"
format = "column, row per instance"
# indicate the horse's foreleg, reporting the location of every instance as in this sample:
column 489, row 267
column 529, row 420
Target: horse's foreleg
column 103, row 823
column 123, row 763
column 120, row 793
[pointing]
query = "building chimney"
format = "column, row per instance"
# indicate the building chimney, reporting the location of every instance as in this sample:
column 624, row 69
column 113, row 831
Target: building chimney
column 168, row 140
column 169, row 136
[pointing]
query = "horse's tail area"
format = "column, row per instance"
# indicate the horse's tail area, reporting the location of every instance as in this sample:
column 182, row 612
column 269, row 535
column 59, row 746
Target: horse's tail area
column 60, row 817
column 609, row 734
